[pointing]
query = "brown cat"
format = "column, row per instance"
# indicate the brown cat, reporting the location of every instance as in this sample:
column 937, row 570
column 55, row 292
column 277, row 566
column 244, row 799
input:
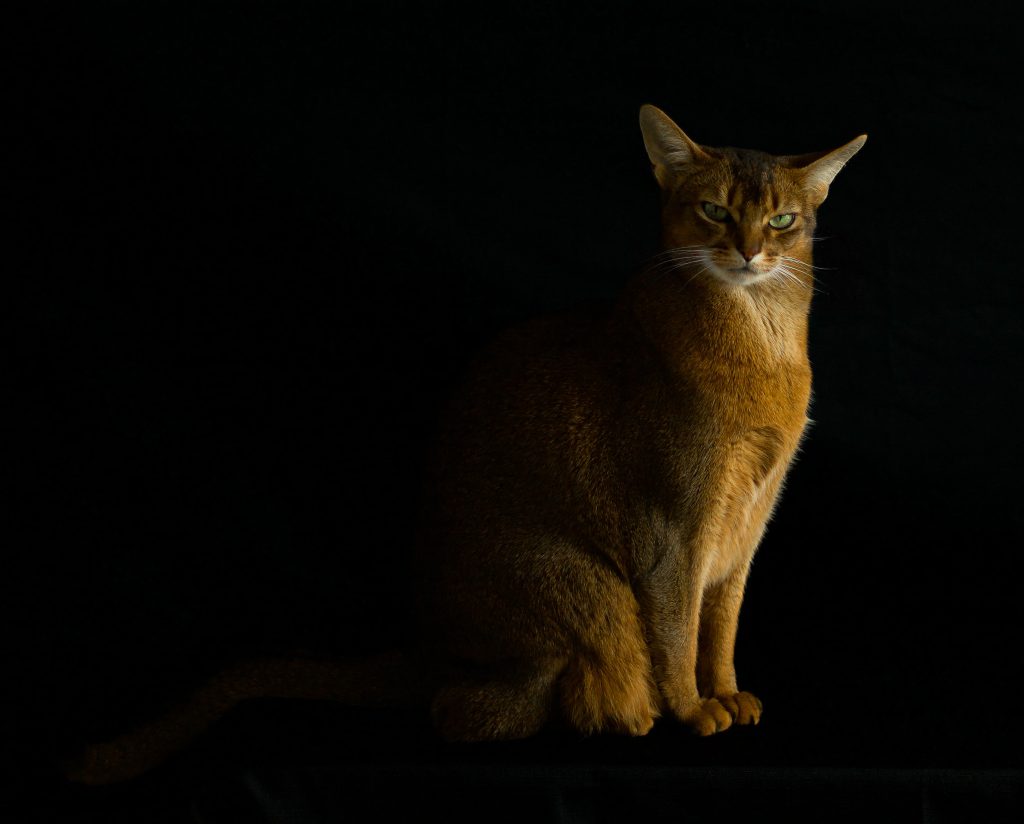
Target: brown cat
column 601, row 485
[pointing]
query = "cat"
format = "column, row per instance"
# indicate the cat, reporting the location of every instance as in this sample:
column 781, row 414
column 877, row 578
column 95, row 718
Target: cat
column 599, row 487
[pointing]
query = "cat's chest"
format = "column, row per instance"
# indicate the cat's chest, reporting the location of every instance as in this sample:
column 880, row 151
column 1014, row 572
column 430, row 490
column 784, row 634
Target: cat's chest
column 726, row 421
column 751, row 372
column 731, row 409
column 742, row 466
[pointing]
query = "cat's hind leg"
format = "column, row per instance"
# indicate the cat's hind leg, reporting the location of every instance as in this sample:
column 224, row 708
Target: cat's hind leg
column 500, row 703
column 609, row 685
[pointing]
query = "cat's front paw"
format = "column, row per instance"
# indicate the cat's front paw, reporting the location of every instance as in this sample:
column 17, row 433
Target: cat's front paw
column 706, row 717
column 744, row 707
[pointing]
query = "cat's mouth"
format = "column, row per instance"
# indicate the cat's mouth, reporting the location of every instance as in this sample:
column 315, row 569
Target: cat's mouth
column 735, row 271
column 742, row 275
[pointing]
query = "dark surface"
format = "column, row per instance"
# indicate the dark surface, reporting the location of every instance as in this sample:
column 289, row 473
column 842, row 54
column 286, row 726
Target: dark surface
column 252, row 250
column 391, row 768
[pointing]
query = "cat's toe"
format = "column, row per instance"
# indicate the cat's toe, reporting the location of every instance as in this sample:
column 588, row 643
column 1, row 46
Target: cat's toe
column 744, row 707
column 707, row 718
column 639, row 726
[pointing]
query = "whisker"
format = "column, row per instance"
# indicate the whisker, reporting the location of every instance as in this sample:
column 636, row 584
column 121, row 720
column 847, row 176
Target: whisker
column 684, row 254
column 670, row 265
column 807, row 266
column 792, row 276
column 676, row 258
column 696, row 274
column 789, row 275
column 676, row 249
column 680, row 259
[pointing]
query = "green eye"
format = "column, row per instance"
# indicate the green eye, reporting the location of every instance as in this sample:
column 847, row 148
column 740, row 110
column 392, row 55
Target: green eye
column 715, row 212
column 782, row 221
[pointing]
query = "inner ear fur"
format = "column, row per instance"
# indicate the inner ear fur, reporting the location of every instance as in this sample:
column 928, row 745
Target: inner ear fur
column 668, row 147
column 817, row 170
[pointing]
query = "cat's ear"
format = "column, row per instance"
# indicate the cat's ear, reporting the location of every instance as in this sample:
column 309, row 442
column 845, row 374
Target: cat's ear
column 669, row 149
column 818, row 170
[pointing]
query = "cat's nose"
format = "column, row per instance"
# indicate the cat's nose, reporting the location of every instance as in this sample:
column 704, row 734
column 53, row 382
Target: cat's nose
column 748, row 254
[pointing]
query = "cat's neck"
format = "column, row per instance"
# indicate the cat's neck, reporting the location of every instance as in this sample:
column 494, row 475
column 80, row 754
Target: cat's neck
column 695, row 317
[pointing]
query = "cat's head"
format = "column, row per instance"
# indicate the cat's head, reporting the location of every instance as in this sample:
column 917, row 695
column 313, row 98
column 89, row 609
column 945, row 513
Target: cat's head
column 740, row 215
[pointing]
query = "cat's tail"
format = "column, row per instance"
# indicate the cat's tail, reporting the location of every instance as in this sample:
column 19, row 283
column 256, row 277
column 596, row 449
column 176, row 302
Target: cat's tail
column 391, row 679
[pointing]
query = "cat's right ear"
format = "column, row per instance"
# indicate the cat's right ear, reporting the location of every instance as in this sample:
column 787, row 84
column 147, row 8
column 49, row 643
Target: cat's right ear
column 668, row 147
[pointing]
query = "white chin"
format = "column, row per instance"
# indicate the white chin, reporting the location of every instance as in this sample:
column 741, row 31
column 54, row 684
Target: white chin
column 739, row 277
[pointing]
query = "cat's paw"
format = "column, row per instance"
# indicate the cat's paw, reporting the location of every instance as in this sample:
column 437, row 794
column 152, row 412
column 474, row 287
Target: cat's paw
column 706, row 717
column 744, row 707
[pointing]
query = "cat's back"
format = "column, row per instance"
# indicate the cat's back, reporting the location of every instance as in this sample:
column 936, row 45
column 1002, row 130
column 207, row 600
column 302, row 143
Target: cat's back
column 531, row 366
column 536, row 393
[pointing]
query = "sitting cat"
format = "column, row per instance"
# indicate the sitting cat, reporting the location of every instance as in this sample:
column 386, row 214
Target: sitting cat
column 600, row 486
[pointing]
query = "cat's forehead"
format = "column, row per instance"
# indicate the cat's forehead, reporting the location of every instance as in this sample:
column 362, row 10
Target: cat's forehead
column 744, row 174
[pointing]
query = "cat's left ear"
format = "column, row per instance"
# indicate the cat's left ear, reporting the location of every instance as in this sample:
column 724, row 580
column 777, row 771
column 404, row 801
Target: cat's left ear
column 818, row 170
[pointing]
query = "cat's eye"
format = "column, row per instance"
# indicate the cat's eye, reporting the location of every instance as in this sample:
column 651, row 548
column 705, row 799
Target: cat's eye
column 715, row 212
column 782, row 221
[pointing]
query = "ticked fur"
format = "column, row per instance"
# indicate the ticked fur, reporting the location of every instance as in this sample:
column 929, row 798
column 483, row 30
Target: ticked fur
column 601, row 484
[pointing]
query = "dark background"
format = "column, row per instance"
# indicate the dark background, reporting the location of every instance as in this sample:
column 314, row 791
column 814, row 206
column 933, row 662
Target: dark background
column 253, row 247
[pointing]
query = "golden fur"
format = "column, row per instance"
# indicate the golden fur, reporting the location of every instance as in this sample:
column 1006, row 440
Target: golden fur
column 601, row 483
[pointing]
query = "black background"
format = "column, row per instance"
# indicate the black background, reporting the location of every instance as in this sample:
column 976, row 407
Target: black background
column 254, row 245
